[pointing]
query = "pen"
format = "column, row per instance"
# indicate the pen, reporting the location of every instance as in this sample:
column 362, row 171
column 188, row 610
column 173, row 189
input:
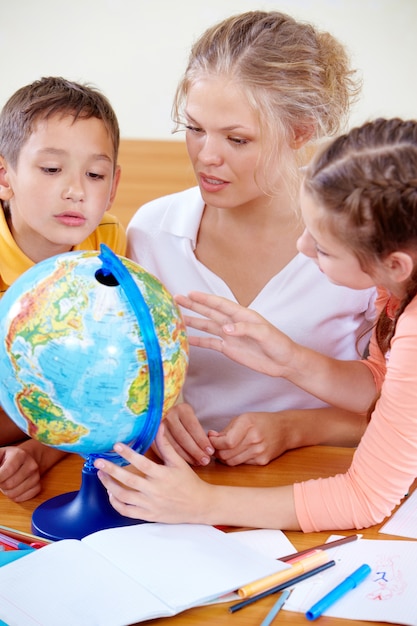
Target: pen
column 330, row 598
column 323, row 546
column 276, row 608
column 299, row 567
column 289, row 583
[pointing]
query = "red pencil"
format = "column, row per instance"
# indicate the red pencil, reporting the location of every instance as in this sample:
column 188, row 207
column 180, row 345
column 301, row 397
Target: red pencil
column 323, row 546
column 31, row 540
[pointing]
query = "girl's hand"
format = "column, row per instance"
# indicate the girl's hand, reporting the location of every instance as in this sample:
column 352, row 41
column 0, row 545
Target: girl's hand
column 170, row 493
column 243, row 335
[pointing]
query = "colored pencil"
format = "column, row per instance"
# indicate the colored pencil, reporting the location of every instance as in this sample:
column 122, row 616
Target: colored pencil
column 31, row 540
column 276, row 608
column 288, row 583
column 323, row 546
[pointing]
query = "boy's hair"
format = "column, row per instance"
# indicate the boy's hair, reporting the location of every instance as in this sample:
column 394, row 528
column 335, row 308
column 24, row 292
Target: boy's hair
column 366, row 183
column 294, row 77
column 44, row 98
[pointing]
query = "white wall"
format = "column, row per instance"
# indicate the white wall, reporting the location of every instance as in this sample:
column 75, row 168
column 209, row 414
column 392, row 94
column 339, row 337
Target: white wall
column 136, row 50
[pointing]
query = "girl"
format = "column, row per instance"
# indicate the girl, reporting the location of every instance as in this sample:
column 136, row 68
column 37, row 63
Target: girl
column 359, row 205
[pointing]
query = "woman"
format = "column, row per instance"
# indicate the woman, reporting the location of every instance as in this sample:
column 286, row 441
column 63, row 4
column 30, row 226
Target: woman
column 259, row 89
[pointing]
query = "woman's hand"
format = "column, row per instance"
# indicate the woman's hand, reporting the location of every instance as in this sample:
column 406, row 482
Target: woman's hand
column 252, row 439
column 258, row 438
column 187, row 436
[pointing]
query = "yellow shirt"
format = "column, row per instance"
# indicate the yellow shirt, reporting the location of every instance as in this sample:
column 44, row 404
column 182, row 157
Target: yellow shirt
column 13, row 262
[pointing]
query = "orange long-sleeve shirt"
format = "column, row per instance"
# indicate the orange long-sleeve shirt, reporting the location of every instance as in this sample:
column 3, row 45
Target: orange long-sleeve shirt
column 385, row 462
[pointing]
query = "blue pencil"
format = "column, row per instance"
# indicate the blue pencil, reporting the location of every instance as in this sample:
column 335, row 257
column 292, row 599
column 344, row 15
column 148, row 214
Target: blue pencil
column 276, row 608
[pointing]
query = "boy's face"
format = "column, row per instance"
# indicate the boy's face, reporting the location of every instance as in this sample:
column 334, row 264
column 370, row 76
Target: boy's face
column 63, row 183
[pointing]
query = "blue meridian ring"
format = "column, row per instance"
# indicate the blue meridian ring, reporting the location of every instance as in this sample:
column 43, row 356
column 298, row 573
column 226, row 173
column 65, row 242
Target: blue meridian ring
column 112, row 265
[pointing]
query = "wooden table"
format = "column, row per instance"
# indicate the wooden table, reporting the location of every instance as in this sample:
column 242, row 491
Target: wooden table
column 296, row 465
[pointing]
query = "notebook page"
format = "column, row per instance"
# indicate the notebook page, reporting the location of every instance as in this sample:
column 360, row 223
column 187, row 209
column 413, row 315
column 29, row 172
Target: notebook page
column 183, row 564
column 73, row 582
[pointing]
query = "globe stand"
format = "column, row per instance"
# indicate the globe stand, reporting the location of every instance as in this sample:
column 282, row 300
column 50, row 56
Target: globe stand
column 76, row 514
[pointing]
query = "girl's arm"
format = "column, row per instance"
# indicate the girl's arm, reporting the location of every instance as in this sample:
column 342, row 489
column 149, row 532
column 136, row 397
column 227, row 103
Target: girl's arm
column 173, row 493
column 247, row 338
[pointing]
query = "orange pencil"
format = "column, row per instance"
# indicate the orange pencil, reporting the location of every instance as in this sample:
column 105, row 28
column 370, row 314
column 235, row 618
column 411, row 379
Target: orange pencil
column 299, row 567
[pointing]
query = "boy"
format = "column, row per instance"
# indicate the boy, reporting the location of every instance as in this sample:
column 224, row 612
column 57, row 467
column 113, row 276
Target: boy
column 59, row 143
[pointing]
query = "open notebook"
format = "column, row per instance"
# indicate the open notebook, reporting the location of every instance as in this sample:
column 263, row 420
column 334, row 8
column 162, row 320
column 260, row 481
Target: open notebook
column 125, row 575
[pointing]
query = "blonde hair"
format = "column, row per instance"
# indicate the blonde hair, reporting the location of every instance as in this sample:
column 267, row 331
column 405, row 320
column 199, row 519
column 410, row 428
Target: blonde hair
column 296, row 78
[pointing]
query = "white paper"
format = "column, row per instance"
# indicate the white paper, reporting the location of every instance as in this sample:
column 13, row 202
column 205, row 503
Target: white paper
column 404, row 521
column 388, row 594
column 124, row 575
column 265, row 541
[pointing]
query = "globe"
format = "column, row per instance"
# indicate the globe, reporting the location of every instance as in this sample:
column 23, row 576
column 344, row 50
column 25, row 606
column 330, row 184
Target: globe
column 74, row 364
column 93, row 350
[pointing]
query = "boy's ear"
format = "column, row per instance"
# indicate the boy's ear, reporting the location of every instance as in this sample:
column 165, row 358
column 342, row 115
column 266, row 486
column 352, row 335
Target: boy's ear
column 6, row 192
column 400, row 266
column 116, row 179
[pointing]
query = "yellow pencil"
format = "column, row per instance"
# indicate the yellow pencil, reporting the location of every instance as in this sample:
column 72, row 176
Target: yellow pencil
column 299, row 567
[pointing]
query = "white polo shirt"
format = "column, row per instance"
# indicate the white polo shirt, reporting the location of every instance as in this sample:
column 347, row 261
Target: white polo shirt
column 299, row 300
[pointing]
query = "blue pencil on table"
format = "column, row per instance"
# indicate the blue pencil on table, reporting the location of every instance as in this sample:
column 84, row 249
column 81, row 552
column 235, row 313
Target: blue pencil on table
column 276, row 608
column 338, row 592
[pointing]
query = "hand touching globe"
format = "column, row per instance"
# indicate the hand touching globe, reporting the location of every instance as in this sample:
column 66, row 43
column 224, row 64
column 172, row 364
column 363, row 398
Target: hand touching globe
column 93, row 350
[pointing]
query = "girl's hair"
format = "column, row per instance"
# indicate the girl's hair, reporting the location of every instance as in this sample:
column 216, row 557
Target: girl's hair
column 50, row 96
column 366, row 183
column 295, row 77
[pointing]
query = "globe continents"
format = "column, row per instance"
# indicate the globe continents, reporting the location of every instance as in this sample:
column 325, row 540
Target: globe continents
column 93, row 350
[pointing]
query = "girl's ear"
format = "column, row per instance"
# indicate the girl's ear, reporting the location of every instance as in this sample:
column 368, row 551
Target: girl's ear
column 399, row 265
column 6, row 192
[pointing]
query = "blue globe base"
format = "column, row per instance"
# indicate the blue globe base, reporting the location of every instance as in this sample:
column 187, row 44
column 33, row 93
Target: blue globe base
column 78, row 513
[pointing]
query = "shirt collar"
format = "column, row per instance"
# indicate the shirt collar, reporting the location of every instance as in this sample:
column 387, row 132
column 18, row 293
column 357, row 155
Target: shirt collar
column 182, row 217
